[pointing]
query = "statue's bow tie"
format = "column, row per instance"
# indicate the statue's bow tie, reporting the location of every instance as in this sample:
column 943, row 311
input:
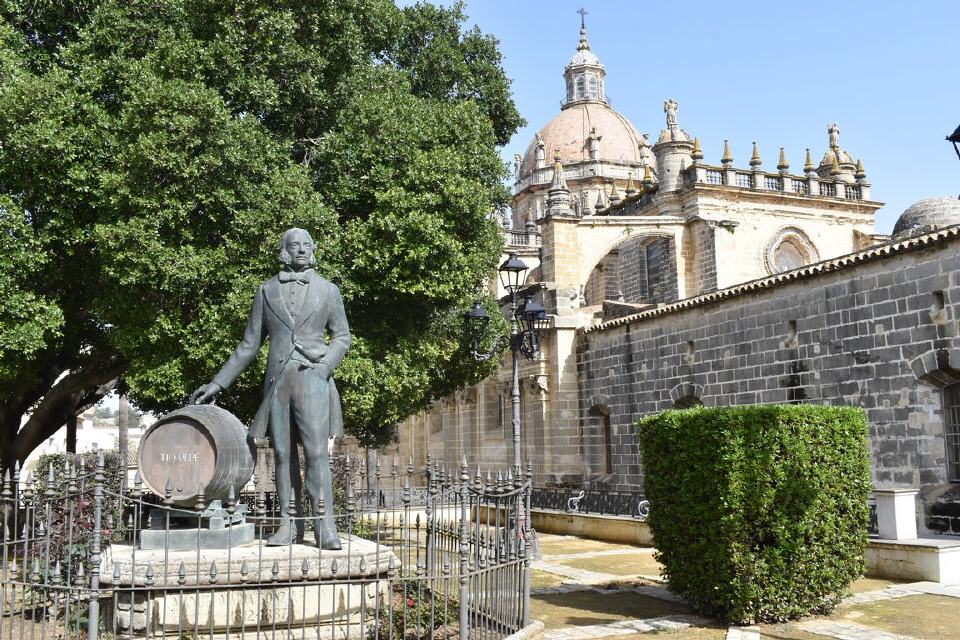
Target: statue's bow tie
column 303, row 277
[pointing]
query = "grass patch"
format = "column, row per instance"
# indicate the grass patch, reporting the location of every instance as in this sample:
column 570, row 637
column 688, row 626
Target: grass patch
column 540, row 579
column 870, row 584
column 625, row 565
column 551, row 545
column 925, row 617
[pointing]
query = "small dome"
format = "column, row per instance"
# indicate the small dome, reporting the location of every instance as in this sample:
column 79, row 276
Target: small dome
column 584, row 57
column 927, row 215
column 569, row 132
column 842, row 158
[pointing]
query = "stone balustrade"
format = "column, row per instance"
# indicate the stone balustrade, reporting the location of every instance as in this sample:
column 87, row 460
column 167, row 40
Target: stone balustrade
column 814, row 185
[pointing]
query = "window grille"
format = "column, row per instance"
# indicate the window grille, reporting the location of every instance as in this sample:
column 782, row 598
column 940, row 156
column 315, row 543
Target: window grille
column 773, row 183
column 828, row 189
column 745, row 180
column 951, row 430
column 581, row 87
column 853, row 192
column 801, row 187
column 714, row 176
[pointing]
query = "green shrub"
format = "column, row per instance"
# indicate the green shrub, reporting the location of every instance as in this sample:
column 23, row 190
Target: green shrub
column 758, row 513
column 415, row 612
column 68, row 516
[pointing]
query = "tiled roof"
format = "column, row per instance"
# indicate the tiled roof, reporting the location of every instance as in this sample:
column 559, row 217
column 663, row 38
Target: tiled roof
column 826, row 266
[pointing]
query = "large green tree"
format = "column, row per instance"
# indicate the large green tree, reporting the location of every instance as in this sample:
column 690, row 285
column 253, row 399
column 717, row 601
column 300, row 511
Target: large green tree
column 152, row 151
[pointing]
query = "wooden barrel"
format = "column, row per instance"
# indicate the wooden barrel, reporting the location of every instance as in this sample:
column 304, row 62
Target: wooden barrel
column 193, row 447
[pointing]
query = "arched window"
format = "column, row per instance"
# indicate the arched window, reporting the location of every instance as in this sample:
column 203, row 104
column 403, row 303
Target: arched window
column 596, row 441
column 951, row 430
column 581, row 88
column 687, row 402
column 789, row 249
column 656, row 270
column 593, row 90
column 788, row 256
column 607, row 444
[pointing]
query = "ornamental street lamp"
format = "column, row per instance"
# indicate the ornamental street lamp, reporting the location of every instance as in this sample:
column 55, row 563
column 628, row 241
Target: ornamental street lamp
column 955, row 139
column 527, row 323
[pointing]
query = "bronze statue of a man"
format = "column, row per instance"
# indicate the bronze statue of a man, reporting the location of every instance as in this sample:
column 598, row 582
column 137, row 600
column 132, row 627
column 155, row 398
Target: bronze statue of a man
column 296, row 309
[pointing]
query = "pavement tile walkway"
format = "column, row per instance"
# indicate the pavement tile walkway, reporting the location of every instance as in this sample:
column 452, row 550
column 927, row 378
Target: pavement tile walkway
column 848, row 631
column 570, row 572
column 625, row 627
column 583, row 580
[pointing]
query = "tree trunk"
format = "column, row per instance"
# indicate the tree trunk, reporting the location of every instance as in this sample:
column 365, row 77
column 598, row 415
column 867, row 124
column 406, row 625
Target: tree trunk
column 72, row 434
column 73, row 394
column 122, row 426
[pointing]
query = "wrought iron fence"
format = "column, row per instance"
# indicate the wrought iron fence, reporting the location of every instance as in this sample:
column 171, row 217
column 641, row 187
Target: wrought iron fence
column 88, row 556
column 601, row 501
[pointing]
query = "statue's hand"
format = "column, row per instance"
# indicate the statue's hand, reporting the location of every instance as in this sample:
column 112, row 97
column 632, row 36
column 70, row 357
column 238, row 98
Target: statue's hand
column 205, row 393
column 313, row 355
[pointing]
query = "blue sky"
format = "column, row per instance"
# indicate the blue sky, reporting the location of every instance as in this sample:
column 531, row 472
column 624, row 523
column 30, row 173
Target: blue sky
column 775, row 72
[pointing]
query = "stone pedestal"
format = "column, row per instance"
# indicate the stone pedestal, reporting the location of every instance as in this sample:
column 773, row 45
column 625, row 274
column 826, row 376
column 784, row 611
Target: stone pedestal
column 183, row 529
column 897, row 513
column 247, row 589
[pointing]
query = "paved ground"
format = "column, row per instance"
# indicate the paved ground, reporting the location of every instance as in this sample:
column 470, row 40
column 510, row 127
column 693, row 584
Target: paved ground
column 587, row 589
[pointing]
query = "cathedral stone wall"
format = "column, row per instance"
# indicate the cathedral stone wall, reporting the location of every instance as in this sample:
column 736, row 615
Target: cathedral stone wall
column 880, row 333
column 633, row 271
column 704, row 257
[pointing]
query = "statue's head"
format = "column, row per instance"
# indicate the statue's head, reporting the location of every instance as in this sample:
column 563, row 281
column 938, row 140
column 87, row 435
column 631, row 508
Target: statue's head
column 296, row 249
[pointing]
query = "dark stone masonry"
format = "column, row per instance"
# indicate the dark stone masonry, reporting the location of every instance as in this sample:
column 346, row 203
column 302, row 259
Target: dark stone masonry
column 877, row 329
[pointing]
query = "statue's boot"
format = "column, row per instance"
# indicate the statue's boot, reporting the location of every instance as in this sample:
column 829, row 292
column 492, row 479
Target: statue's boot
column 327, row 538
column 285, row 535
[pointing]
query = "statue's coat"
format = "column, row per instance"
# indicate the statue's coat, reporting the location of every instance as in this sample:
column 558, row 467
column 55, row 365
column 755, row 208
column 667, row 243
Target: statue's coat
column 322, row 310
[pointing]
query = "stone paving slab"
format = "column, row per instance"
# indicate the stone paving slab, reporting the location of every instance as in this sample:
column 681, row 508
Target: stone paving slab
column 882, row 594
column 848, row 631
column 935, row 588
column 571, row 572
column 625, row 627
column 652, row 590
column 743, row 633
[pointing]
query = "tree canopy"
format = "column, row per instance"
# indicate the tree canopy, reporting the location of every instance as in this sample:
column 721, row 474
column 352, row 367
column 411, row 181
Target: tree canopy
column 154, row 151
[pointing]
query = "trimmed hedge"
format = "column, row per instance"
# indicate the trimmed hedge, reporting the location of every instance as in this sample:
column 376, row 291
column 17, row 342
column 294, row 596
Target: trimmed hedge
column 758, row 513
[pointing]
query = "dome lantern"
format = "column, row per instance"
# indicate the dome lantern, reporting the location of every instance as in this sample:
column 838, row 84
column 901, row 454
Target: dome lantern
column 584, row 74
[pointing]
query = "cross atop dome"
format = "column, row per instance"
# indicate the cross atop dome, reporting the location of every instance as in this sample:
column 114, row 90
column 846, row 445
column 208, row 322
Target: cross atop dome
column 584, row 45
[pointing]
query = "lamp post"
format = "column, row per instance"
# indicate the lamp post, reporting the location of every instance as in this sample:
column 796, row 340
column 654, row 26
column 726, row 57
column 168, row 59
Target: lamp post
column 527, row 322
column 955, row 139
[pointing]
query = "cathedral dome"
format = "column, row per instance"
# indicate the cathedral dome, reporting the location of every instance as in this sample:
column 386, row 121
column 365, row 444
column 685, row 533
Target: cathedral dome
column 927, row 215
column 569, row 135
